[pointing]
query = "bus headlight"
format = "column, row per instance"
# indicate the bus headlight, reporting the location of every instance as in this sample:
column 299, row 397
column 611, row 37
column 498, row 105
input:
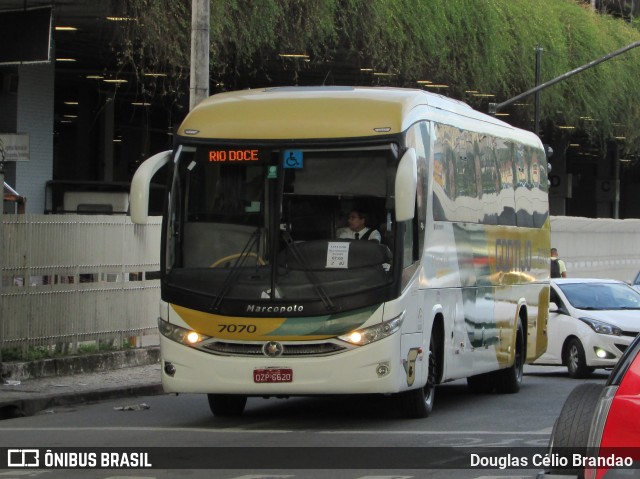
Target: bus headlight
column 180, row 335
column 360, row 337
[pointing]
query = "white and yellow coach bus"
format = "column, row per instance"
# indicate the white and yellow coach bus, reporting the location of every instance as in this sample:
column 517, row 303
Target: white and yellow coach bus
column 261, row 296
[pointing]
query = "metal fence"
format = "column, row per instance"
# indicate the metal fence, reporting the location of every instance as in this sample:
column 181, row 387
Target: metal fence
column 68, row 279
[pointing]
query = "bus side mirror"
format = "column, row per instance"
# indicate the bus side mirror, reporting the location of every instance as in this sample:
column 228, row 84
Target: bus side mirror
column 139, row 194
column 405, row 187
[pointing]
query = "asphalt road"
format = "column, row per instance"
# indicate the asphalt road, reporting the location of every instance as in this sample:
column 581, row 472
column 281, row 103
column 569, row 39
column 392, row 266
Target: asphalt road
column 306, row 438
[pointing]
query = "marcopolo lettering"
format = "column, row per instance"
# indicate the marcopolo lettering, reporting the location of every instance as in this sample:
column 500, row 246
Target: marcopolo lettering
column 294, row 308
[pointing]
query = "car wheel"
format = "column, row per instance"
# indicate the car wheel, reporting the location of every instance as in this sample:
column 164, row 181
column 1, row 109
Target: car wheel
column 418, row 403
column 227, row 405
column 575, row 360
column 571, row 429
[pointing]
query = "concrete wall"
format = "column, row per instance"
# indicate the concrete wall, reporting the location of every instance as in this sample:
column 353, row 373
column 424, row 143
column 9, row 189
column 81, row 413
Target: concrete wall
column 598, row 248
column 35, row 118
column 8, row 113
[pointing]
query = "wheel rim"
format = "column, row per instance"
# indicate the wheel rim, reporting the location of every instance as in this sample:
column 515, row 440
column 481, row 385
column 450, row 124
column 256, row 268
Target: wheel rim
column 573, row 358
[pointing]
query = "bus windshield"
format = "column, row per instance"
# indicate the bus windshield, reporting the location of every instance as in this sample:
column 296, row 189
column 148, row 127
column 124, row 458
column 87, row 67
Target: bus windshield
column 266, row 225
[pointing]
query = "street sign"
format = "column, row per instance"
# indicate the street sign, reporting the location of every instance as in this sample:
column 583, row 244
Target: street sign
column 14, row 147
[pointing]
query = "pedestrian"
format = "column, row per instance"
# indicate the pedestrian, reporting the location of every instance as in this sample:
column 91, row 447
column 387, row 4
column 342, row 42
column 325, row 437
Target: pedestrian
column 558, row 268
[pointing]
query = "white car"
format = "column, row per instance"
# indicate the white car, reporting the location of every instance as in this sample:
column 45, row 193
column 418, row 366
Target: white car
column 635, row 284
column 591, row 323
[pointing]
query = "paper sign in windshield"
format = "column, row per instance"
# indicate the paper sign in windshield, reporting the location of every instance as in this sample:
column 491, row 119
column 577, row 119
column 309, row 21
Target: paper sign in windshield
column 338, row 255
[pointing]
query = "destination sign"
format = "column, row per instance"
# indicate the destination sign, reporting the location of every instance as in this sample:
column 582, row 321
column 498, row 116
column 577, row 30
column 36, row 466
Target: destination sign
column 238, row 155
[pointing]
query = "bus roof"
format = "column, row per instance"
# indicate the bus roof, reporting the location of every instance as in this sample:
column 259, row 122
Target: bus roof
column 315, row 112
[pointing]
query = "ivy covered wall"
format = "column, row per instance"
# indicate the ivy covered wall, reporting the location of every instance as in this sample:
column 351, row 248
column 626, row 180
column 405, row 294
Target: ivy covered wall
column 469, row 45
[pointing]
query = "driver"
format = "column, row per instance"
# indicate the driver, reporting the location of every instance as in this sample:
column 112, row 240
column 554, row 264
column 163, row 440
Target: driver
column 357, row 228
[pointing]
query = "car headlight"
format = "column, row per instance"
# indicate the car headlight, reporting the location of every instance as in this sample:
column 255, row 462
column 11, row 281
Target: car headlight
column 180, row 335
column 360, row 337
column 602, row 327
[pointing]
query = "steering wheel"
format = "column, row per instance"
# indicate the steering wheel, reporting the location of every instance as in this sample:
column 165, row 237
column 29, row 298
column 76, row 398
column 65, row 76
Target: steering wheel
column 225, row 261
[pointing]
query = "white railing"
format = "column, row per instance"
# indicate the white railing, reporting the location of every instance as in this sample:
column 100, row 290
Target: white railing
column 67, row 279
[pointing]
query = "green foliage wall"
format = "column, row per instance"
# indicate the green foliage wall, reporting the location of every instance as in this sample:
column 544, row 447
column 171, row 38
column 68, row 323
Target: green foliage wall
column 486, row 46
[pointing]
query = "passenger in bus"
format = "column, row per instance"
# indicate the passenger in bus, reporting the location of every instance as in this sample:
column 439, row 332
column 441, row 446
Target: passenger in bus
column 357, row 228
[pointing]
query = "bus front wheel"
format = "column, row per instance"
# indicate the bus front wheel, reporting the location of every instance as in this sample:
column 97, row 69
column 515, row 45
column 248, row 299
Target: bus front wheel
column 227, row 405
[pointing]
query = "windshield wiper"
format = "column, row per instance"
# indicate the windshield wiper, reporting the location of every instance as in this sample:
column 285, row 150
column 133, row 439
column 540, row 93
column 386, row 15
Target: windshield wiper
column 234, row 272
column 315, row 282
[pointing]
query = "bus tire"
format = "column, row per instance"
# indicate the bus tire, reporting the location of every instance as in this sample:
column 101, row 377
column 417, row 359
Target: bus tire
column 570, row 432
column 227, row 405
column 418, row 403
column 508, row 381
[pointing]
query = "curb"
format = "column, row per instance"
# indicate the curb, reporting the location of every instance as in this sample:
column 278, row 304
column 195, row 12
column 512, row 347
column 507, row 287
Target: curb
column 10, row 409
column 89, row 363
column 37, row 376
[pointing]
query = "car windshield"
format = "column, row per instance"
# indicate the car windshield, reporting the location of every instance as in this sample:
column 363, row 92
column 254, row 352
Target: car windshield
column 601, row 296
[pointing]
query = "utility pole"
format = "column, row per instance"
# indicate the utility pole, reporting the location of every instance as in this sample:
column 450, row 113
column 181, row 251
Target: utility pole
column 2, row 158
column 495, row 107
column 199, row 80
column 536, row 112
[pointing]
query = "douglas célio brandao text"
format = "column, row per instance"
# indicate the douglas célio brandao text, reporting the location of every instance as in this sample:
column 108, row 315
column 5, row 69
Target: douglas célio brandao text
column 513, row 461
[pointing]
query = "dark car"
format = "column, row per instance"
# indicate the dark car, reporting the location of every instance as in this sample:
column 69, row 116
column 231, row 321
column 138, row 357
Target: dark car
column 601, row 423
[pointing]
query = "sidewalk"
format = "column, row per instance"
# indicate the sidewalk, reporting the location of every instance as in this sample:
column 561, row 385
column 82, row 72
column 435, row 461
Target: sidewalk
column 29, row 388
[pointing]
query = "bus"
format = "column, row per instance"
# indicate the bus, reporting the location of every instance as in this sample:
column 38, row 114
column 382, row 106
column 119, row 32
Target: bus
column 260, row 295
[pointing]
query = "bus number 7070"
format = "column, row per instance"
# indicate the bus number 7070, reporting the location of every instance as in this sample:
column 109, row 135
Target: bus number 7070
column 237, row 328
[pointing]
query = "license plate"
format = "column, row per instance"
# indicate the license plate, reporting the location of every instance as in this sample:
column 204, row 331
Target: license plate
column 273, row 375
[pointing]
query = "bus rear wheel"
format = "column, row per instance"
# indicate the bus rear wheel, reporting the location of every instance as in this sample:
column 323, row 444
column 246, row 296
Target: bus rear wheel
column 508, row 381
column 418, row 403
column 503, row 381
column 227, row 405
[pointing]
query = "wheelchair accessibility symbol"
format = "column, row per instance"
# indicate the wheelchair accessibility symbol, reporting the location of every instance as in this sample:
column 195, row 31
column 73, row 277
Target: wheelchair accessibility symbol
column 292, row 159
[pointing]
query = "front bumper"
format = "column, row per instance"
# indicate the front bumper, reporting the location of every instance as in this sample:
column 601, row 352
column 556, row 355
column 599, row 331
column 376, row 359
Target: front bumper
column 612, row 346
column 350, row 372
